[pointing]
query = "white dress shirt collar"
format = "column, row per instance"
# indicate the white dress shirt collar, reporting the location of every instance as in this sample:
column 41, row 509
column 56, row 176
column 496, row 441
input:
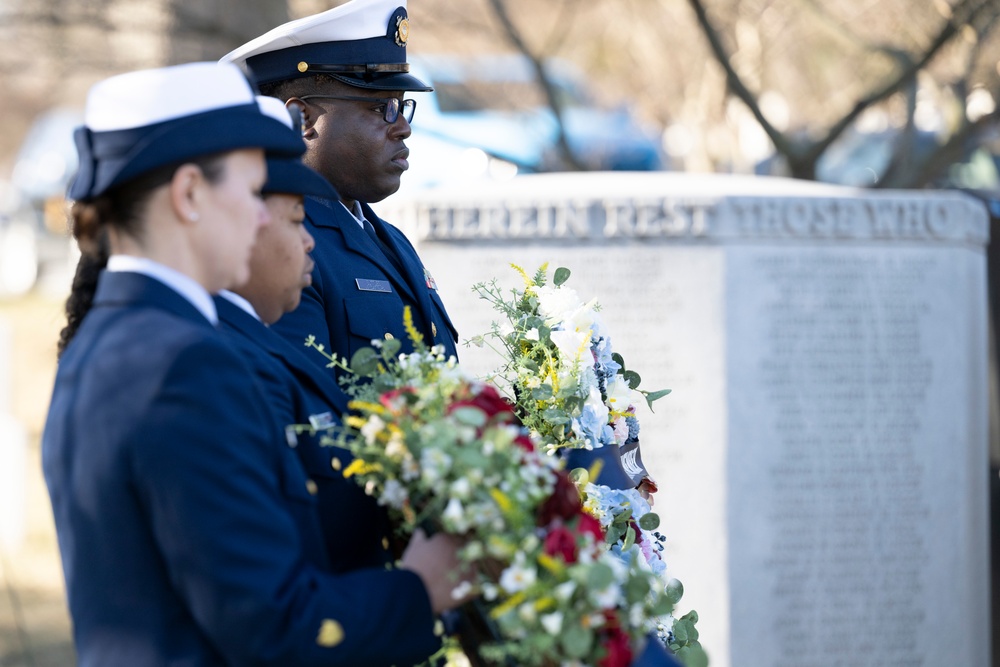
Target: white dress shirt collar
column 236, row 299
column 184, row 285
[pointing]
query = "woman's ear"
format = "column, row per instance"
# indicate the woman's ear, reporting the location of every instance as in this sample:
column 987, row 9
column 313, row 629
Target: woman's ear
column 185, row 192
column 306, row 113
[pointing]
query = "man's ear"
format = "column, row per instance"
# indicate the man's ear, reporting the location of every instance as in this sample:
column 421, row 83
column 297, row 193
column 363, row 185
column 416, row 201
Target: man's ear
column 308, row 115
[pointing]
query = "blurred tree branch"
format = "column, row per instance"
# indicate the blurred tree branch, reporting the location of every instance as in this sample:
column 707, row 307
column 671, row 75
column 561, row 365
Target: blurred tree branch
column 514, row 36
column 802, row 154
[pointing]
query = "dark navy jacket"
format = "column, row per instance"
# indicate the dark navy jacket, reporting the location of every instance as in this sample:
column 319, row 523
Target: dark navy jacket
column 299, row 392
column 186, row 526
column 357, row 293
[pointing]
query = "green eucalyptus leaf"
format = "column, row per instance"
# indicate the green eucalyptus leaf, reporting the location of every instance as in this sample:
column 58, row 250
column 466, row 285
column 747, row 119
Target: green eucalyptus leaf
column 614, row 533
column 691, row 616
column 662, row 607
column 391, row 347
column 579, row 476
column 680, row 633
column 365, row 362
column 629, row 538
column 636, row 589
column 617, row 358
column 650, row 521
column 555, row 416
column 651, row 396
column 625, row 515
column 561, row 276
column 692, row 656
column 542, row 392
column 576, row 641
column 600, row 576
column 470, row 416
column 674, row 590
column 632, row 378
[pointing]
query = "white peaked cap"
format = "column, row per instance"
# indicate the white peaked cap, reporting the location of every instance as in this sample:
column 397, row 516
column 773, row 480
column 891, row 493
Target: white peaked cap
column 152, row 96
column 357, row 19
column 137, row 122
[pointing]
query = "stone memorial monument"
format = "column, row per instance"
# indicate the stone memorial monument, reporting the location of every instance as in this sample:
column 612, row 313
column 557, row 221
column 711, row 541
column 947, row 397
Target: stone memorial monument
column 822, row 460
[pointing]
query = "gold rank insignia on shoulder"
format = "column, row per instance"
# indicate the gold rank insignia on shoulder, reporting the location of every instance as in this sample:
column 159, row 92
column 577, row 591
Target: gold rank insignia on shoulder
column 402, row 30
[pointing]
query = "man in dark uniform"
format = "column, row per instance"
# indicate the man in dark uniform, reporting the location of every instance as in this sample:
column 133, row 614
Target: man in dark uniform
column 346, row 70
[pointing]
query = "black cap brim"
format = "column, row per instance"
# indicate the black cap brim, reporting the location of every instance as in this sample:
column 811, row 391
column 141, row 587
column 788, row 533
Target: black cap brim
column 395, row 81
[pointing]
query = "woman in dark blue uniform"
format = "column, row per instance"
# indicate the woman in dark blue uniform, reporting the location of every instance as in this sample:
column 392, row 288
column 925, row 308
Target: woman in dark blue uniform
column 299, row 391
column 187, row 528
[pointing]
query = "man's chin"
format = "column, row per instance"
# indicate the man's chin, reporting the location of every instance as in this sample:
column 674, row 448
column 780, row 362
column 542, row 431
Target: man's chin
column 390, row 188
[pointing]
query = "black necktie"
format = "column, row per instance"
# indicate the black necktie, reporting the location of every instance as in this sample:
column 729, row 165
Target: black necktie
column 383, row 246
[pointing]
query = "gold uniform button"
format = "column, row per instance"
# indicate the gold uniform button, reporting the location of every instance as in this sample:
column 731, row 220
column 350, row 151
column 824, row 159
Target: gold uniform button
column 434, row 329
column 303, row 66
column 330, row 634
column 385, row 543
column 389, row 336
column 335, row 463
column 311, row 487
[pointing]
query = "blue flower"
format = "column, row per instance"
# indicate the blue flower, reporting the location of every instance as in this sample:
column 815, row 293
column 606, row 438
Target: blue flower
column 591, row 424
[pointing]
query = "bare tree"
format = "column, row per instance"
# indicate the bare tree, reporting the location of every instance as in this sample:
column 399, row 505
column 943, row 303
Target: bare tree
column 802, row 152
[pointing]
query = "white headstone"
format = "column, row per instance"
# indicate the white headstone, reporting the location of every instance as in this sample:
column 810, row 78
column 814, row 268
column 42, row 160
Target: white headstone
column 822, row 459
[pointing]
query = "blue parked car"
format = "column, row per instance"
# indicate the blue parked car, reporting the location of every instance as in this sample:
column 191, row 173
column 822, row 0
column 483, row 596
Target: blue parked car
column 494, row 103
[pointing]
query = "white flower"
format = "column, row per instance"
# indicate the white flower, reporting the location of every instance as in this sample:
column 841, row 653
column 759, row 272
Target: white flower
column 395, row 449
column 460, row 591
column 564, row 591
column 556, row 303
column 372, row 428
column 552, row 622
column 527, row 612
column 411, row 470
column 434, row 463
column 461, row 488
column 394, row 494
column 517, row 576
column 620, row 395
column 490, row 592
column 455, row 514
column 570, row 343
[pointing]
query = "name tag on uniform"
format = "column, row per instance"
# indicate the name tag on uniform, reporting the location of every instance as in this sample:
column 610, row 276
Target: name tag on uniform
column 321, row 421
column 366, row 285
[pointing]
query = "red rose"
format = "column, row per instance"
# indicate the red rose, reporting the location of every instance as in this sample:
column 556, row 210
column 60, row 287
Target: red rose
column 615, row 642
column 486, row 399
column 524, row 442
column 395, row 400
column 561, row 542
column 564, row 502
column 638, row 531
column 588, row 524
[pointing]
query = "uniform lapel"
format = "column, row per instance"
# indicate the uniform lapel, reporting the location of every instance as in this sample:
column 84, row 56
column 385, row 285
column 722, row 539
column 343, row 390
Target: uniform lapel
column 414, row 270
column 333, row 214
column 125, row 288
column 261, row 336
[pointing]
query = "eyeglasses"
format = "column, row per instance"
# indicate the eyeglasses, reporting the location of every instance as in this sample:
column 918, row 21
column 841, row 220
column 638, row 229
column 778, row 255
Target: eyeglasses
column 392, row 105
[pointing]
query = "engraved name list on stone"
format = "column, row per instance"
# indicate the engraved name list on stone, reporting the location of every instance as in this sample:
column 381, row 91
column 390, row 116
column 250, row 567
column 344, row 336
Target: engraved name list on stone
column 844, row 462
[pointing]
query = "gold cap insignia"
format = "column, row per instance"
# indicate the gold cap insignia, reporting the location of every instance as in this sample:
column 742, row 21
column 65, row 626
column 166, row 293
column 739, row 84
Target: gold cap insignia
column 402, row 30
column 330, row 634
column 303, row 66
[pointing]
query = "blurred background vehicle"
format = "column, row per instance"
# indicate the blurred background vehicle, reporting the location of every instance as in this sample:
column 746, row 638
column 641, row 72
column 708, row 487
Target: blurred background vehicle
column 494, row 105
column 35, row 245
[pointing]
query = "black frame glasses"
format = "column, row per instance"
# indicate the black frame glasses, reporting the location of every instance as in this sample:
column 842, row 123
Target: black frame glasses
column 394, row 106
